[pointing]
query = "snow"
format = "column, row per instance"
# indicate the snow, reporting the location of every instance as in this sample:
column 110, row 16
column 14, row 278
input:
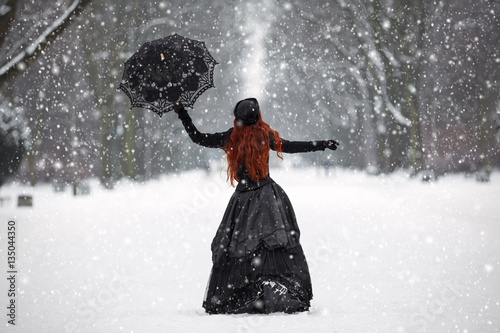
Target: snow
column 386, row 254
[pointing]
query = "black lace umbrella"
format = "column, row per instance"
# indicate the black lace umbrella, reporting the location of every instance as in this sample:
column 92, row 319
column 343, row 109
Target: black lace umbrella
column 168, row 70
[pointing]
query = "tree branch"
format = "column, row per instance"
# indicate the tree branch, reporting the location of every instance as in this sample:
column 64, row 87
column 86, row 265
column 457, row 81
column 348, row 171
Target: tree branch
column 11, row 69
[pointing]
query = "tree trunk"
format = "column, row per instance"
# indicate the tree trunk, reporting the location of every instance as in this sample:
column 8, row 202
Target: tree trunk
column 129, row 146
column 415, row 136
column 6, row 20
column 106, row 133
column 484, row 127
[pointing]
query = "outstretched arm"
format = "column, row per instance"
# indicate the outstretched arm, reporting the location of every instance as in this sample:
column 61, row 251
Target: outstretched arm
column 210, row 140
column 304, row 146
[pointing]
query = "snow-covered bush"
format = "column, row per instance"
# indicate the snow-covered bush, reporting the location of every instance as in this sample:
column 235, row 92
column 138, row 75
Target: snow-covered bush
column 14, row 133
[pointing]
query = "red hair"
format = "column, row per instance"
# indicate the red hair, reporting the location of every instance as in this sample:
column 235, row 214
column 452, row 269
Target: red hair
column 249, row 145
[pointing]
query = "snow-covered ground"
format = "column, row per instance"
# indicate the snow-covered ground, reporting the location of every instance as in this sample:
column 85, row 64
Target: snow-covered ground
column 386, row 254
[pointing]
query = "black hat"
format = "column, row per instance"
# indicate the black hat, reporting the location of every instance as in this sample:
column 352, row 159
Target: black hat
column 247, row 111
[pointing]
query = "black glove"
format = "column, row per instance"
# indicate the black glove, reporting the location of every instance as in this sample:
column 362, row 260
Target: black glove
column 331, row 144
column 181, row 111
column 178, row 107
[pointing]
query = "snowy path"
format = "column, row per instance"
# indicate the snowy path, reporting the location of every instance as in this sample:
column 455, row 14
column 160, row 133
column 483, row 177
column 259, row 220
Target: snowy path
column 386, row 254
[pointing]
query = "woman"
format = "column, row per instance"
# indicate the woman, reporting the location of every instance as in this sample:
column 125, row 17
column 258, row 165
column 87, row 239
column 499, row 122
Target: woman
column 258, row 262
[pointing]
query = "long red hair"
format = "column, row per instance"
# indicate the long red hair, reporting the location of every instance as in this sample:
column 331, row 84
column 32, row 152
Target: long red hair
column 249, row 145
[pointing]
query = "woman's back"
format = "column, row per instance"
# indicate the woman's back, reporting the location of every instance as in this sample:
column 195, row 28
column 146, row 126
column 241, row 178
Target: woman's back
column 247, row 150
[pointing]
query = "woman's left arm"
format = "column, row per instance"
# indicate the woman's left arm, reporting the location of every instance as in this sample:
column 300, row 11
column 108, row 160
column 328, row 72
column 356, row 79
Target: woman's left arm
column 293, row 147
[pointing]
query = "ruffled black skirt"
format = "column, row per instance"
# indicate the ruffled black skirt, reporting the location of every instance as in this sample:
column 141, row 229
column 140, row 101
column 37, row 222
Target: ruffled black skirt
column 258, row 263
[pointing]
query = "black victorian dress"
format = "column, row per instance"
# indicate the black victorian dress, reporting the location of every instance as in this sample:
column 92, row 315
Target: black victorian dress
column 258, row 262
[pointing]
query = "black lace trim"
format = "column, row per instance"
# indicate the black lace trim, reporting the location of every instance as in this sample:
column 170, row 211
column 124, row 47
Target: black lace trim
column 242, row 285
column 284, row 294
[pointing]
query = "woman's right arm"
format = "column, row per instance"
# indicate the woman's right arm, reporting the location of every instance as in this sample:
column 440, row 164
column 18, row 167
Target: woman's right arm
column 304, row 146
column 210, row 140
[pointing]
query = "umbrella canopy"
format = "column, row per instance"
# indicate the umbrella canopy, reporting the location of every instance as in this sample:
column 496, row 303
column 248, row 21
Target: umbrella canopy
column 168, row 70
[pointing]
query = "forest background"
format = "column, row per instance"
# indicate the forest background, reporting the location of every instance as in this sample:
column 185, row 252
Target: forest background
column 400, row 84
